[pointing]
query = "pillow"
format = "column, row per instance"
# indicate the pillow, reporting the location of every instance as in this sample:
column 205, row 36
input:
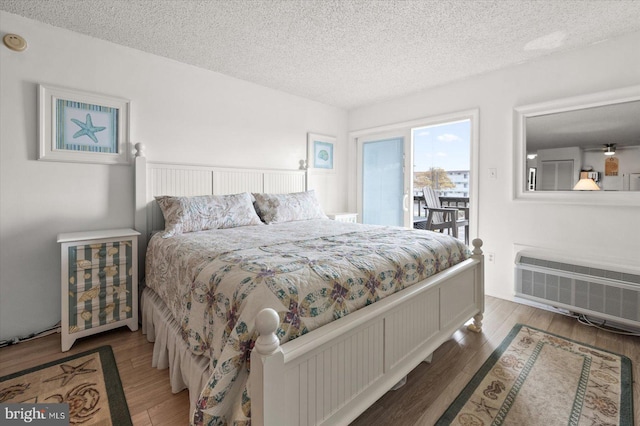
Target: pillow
column 190, row 214
column 277, row 208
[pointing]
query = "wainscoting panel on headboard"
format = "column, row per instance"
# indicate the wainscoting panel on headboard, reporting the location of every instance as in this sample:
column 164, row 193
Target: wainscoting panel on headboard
column 283, row 183
column 172, row 180
column 230, row 181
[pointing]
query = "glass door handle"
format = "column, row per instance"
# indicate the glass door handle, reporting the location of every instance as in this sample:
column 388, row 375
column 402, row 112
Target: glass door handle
column 405, row 202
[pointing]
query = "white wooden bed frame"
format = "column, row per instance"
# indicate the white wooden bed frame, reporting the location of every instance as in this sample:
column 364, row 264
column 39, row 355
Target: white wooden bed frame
column 332, row 374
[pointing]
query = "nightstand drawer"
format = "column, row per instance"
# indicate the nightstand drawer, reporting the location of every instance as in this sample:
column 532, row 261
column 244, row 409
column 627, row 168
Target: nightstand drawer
column 99, row 255
column 108, row 275
column 84, row 279
column 98, row 312
column 103, row 294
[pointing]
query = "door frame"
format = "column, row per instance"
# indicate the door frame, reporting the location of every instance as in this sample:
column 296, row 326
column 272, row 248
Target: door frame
column 473, row 115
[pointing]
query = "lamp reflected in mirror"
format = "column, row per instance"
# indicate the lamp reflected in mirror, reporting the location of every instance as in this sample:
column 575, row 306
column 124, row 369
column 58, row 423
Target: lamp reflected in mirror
column 586, row 184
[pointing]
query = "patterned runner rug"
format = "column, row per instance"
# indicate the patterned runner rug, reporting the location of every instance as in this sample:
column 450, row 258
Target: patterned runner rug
column 538, row 378
column 88, row 382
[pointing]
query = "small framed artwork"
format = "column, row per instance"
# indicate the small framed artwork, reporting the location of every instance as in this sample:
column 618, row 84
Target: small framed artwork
column 611, row 166
column 82, row 127
column 320, row 151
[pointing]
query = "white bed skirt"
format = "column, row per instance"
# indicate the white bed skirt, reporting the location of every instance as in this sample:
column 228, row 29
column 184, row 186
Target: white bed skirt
column 186, row 371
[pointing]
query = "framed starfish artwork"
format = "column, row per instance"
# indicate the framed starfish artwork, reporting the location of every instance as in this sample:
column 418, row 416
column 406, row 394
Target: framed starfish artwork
column 320, row 153
column 82, row 127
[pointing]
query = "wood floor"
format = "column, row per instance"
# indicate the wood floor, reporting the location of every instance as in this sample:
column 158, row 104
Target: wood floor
column 429, row 390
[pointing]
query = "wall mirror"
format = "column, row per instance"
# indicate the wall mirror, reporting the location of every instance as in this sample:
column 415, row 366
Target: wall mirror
column 594, row 137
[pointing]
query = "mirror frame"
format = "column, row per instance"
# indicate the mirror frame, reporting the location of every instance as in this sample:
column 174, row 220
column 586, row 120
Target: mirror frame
column 521, row 113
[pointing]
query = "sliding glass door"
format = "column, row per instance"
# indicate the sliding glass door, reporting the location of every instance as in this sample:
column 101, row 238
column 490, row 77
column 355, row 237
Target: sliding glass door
column 388, row 166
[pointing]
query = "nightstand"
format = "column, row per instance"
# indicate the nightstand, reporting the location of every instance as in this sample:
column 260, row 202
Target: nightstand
column 344, row 217
column 99, row 282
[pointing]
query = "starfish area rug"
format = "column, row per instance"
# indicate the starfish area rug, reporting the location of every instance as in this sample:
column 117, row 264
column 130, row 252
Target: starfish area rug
column 538, row 378
column 89, row 382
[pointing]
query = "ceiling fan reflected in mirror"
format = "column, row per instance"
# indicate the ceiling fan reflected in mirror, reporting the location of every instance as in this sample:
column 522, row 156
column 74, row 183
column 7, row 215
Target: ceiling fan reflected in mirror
column 610, row 149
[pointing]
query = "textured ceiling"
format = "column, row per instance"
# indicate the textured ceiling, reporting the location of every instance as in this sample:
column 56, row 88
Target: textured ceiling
column 345, row 53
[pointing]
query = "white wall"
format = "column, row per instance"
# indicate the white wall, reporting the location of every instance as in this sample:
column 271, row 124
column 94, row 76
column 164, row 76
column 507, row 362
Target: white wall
column 611, row 232
column 182, row 114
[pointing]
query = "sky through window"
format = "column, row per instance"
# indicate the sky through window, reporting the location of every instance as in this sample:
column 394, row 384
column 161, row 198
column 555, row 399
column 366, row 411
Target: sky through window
column 442, row 145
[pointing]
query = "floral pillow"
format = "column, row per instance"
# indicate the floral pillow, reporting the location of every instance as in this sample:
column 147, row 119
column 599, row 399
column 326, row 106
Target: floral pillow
column 277, row 208
column 190, row 214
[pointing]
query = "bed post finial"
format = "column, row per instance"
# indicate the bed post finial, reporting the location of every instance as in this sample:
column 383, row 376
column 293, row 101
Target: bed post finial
column 267, row 372
column 140, row 149
column 267, row 322
column 477, row 243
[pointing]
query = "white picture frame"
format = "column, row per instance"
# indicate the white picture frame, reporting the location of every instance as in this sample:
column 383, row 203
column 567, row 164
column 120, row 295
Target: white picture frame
column 82, row 127
column 321, row 153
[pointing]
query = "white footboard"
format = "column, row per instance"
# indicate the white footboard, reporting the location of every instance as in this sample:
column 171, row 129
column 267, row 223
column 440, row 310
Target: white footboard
column 332, row 374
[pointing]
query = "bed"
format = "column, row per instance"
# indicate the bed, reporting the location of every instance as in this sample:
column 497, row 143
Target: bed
column 300, row 321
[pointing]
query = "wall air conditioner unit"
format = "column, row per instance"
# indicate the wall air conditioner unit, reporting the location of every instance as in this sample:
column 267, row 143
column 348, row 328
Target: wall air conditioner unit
column 610, row 293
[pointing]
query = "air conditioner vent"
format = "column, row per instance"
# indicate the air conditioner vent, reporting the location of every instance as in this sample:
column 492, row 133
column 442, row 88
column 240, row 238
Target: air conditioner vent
column 605, row 293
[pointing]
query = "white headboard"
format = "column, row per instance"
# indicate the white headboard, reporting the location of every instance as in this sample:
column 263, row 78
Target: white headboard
column 153, row 179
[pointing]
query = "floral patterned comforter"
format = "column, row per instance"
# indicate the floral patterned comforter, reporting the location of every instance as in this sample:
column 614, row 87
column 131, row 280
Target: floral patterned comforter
column 311, row 272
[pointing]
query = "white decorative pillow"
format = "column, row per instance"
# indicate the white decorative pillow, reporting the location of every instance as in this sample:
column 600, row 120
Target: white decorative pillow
column 277, row 208
column 190, row 214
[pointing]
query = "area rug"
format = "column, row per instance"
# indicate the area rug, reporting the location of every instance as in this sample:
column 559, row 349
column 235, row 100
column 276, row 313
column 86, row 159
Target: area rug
column 88, row 382
column 538, row 378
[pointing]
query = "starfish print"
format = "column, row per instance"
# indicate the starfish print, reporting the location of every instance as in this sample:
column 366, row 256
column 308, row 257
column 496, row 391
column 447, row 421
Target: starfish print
column 606, row 367
column 483, row 407
column 69, row 372
column 87, row 129
column 604, row 388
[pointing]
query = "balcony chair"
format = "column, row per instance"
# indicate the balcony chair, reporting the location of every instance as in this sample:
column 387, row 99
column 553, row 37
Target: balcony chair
column 439, row 218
